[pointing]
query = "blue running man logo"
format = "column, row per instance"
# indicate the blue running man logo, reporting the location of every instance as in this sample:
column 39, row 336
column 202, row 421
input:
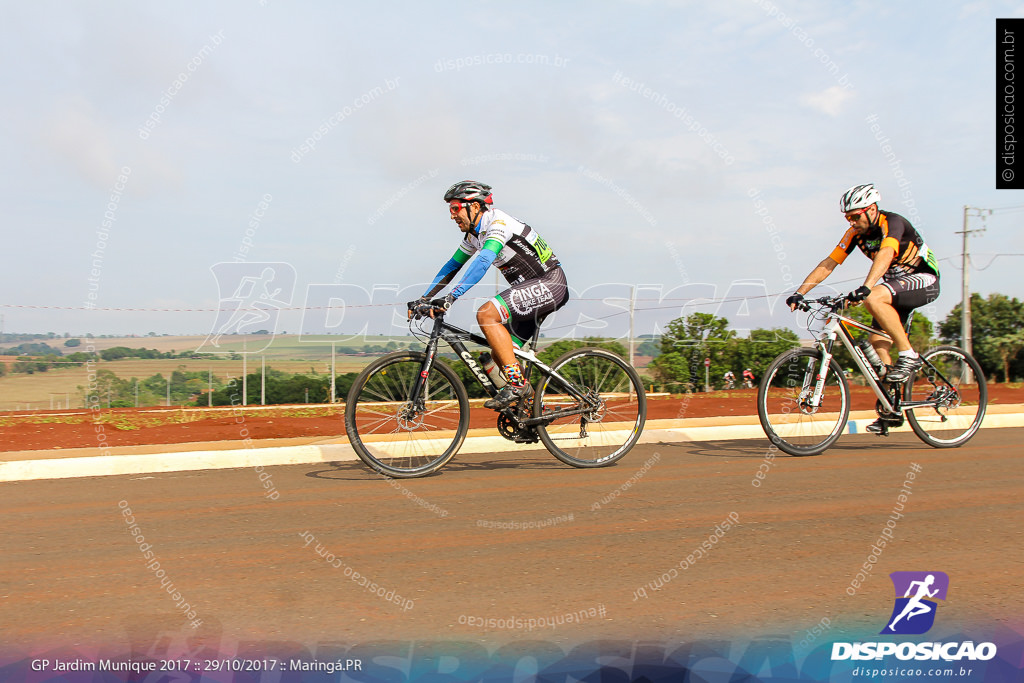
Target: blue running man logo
column 914, row 611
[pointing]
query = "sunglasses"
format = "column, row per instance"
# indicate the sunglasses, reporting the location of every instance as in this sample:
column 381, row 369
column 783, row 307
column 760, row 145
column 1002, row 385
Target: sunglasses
column 456, row 206
column 854, row 215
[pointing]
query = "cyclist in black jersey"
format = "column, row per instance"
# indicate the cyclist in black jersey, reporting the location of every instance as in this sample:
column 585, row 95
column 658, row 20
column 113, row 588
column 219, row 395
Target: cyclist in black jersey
column 907, row 268
column 537, row 283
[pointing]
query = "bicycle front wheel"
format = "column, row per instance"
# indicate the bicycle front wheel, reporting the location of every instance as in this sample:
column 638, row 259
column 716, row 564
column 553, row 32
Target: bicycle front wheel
column 785, row 403
column 952, row 381
column 615, row 403
column 400, row 436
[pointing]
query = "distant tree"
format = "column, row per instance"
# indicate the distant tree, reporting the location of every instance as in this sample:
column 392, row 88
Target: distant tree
column 996, row 316
column 551, row 353
column 650, row 347
column 73, row 342
column 684, row 346
column 758, row 350
column 33, row 349
column 1006, row 349
column 118, row 352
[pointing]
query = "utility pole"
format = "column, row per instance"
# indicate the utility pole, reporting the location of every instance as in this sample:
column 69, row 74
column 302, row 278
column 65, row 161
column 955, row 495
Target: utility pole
column 966, row 340
column 632, row 311
column 245, row 370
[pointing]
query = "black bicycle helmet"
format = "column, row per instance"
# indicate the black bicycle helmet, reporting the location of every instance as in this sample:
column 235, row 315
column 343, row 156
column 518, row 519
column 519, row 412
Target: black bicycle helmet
column 470, row 191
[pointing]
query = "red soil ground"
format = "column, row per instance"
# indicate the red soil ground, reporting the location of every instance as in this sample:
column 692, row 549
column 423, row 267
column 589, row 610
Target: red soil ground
column 140, row 426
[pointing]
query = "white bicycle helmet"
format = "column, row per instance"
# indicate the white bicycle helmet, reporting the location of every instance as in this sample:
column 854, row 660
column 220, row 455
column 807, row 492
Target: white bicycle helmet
column 859, row 197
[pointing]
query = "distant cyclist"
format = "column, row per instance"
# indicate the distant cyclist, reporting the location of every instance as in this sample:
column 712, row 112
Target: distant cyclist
column 537, row 283
column 730, row 379
column 908, row 271
column 748, row 378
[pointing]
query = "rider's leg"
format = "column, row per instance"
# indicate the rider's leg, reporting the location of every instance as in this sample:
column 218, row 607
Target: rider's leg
column 490, row 319
column 879, row 304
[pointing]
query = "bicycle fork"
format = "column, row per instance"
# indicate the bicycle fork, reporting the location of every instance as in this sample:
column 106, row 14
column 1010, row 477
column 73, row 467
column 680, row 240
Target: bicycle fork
column 420, row 388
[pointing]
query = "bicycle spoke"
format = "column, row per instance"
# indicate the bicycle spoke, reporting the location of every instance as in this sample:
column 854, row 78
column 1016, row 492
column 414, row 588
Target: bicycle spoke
column 597, row 436
column 397, row 436
column 785, row 403
column 955, row 386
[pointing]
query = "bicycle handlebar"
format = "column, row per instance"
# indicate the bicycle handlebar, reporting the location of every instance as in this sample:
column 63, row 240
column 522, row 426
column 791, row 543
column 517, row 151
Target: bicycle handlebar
column 834, row 303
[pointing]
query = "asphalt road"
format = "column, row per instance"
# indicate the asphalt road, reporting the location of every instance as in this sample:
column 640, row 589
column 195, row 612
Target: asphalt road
column 495, row 541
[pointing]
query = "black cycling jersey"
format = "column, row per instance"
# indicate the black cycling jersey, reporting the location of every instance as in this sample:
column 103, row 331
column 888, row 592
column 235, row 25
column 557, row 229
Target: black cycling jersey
column 895, row 231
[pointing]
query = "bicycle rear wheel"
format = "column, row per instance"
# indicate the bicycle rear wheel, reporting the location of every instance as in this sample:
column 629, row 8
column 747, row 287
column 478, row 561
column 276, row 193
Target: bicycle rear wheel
column 608, row 430
column 400, row 437
column 953, row 380
column 783, row 403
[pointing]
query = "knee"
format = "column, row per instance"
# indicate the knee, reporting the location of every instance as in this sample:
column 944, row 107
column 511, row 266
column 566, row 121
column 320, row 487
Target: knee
column 488, row 315
column 879, row 297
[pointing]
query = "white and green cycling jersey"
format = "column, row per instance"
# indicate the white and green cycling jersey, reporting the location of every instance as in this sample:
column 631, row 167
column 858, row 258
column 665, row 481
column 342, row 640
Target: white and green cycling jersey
column 521, row 253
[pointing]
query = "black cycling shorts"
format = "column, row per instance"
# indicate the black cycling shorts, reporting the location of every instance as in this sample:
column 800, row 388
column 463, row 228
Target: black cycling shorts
column 910, row 292
column 524, row 306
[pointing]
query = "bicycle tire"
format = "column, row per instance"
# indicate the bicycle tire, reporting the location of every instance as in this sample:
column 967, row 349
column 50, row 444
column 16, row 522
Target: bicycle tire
column 388, row 433
column 964, row 412
column 790, row 424
column 616, row 425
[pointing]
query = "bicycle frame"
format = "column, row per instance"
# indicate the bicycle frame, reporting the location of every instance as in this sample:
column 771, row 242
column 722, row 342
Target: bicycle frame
column 837, row 327
column 454, row 338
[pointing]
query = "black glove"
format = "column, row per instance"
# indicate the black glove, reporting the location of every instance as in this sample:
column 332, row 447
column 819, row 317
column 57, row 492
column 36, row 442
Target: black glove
column 859, row 294
column 795, row 299
column 442, row 305
column 419, row 308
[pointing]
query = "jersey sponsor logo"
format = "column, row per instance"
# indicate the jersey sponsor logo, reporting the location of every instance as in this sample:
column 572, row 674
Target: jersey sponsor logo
column 930, row 258
column 544, row 252
column 526, row 299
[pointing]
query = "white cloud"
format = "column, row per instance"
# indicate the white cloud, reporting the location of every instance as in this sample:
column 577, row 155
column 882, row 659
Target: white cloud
column 76, row 135
column 829, row 101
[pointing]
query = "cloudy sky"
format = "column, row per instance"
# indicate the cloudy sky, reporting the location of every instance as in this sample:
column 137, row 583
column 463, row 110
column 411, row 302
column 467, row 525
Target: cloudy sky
column 696, row 149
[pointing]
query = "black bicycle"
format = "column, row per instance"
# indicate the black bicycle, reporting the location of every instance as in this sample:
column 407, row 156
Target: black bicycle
column 803, row 400
column 408, row 412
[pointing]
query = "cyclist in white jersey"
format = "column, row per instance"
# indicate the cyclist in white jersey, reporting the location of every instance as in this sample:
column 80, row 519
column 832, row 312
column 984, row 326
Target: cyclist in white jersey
column 537, row 283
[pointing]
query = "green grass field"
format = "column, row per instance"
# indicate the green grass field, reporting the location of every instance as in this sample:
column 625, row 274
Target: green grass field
column 281, row 346
column 58, row 387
